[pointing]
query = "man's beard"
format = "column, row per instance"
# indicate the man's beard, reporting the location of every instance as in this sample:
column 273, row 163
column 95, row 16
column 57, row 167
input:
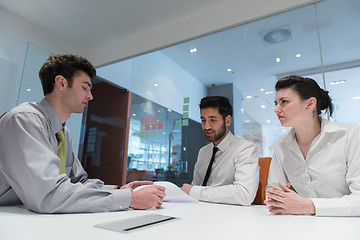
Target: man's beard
column 218, row 135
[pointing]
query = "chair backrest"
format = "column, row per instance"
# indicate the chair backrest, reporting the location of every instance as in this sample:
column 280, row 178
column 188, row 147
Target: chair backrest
column 264, row 164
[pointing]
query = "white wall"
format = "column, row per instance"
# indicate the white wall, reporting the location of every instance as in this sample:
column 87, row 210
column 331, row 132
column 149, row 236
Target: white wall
column 15, row 34
column 174, row 84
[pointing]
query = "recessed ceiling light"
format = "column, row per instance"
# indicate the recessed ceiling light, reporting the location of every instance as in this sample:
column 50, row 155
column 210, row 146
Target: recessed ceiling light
column 269, row 92
column 357, row 97
column 134, row 114
column 337, row 82
column 247, row 121
column 262, row 106
column 229, row 70
column 248, row 97
column 277, row 59
column 268, row 121
column 283, row 130
column 28, row 90
column 298, row 55
column 242, row 110
column 155, row 85
column 158, row 110
column 261, row 89
column 193, row 50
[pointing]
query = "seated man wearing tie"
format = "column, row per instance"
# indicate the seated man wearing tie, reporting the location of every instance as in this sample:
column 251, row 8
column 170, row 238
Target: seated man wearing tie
column 38, row 166
column 226, row 170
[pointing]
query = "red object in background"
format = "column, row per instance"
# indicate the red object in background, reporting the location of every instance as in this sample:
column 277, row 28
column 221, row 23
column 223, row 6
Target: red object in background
column 147, row 127
column 154, row 119
column 160, row 125
column 142, row 120
column 148, row 119
column 153, row 126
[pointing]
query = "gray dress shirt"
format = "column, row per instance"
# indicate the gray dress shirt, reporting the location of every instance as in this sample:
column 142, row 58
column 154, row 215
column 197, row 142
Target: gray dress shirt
column 29, row 167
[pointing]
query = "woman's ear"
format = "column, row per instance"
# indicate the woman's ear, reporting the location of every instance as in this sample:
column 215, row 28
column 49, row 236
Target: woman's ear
column 311, row 103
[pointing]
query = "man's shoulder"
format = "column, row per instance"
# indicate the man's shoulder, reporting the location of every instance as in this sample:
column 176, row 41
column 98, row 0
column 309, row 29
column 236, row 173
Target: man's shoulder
column 22, row 109
column 241, row 141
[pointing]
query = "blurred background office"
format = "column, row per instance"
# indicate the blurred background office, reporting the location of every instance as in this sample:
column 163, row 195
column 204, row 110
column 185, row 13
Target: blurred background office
column 156, row 59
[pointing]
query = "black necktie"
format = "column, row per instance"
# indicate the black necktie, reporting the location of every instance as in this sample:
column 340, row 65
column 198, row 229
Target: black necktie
column 208, row 171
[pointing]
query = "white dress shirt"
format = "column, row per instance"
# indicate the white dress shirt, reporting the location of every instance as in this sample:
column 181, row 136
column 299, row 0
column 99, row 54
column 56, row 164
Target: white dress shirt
column 330, row 173
column 29, row 167
column 234, row 175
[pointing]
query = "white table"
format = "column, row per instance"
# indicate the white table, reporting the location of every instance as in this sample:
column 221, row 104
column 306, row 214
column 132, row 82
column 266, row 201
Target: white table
column 198, row 221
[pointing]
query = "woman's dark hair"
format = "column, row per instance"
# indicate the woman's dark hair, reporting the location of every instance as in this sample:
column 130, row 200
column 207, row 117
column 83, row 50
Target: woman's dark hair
column 66, row 65
column 307, row 88
column 220, row 102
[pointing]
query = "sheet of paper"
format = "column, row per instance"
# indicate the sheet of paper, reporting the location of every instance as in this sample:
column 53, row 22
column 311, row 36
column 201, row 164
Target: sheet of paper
column 173, row 193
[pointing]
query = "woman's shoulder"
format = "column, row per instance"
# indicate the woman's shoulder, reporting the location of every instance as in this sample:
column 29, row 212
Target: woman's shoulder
column 340, row 126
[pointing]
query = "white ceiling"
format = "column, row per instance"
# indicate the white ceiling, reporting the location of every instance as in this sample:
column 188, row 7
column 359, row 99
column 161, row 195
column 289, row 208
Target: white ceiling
column 94, row 23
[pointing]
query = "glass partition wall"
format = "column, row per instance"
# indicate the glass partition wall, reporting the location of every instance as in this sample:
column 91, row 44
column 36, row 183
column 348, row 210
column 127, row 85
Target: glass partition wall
column 320, row 40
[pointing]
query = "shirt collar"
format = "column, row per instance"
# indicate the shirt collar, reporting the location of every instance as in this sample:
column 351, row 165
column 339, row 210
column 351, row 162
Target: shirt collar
column 326, row 127
column 51, row 115
column 225, row 142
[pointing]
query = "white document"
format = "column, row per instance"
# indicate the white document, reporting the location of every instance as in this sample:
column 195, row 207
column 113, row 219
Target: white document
column 173, row 193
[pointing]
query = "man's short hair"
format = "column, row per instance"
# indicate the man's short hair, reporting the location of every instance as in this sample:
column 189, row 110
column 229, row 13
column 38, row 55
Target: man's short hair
column 66, row 65
column 220, row 102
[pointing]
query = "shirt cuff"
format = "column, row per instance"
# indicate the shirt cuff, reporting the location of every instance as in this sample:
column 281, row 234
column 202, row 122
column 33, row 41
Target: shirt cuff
column 331, row 207
column 196, row 191
column 121, row 199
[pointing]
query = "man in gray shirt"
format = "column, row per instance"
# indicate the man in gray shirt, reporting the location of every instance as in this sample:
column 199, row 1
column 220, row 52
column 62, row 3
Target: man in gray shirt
column 30, row 169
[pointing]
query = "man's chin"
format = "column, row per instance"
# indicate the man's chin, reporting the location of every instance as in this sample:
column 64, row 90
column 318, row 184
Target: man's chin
column 210, row 139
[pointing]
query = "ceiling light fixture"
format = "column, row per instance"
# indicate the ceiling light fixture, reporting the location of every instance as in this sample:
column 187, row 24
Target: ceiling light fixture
column 277, row 60
column 298, row 55
column 229, row 70
column 357, row 97
column 248, row 97
column 261, row 89
column 193, row 50
column 277, row 35
column 268, row 121
column 337, row 82
column 155, row 85
column 269, row 92
column 262, row 106
column 28, row 90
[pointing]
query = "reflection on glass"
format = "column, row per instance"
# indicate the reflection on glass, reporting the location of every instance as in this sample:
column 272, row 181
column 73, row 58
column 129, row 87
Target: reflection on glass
column 154, row 141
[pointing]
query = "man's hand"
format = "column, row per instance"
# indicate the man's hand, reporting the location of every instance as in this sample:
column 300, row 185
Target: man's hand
column 288, row 201
column 186, row 188
column 148, row 197
column 135, row 184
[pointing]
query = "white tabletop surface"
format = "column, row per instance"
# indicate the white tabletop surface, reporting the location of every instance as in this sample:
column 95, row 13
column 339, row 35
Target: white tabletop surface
column 197, row 221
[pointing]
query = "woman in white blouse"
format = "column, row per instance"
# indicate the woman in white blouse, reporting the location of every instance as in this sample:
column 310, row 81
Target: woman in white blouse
column 316, row 166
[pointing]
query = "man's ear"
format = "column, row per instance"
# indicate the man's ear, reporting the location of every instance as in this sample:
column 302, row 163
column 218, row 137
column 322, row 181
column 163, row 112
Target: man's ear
column 228, row 120
column 60, row 82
